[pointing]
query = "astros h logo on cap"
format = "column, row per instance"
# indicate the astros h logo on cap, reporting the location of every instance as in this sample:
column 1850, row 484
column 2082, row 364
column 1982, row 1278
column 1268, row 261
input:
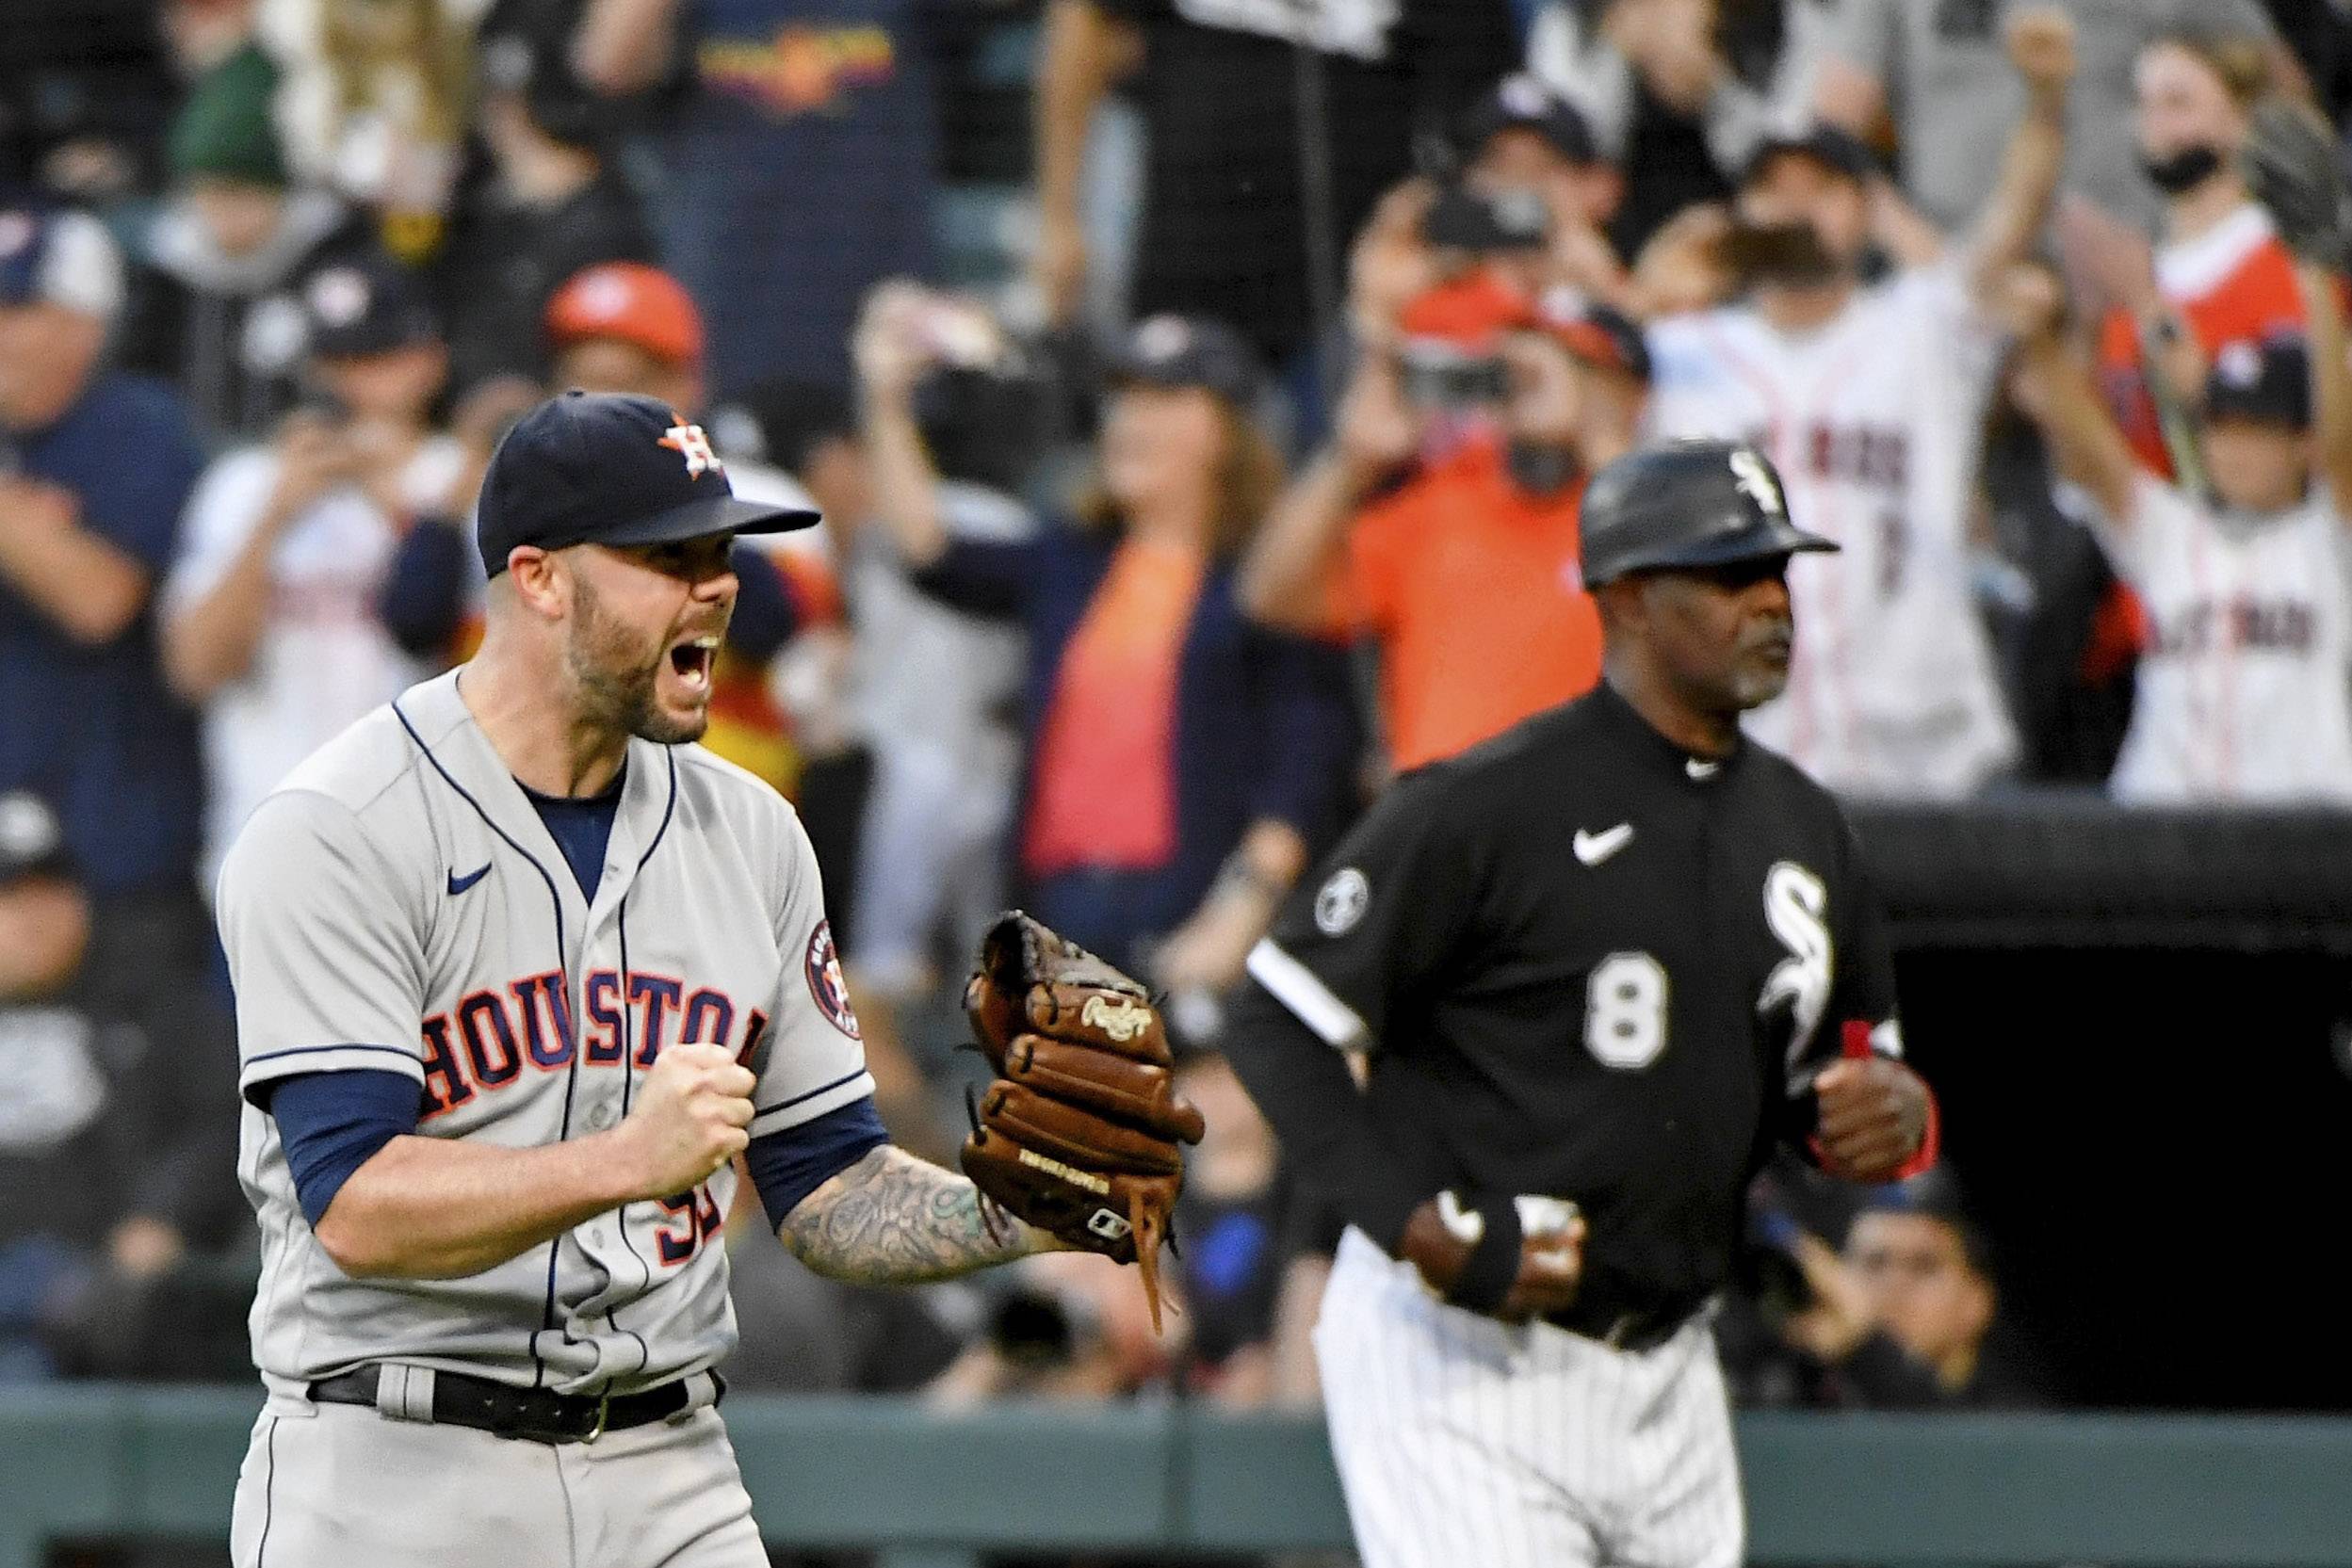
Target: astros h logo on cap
column 610, row 468
column 688, row 439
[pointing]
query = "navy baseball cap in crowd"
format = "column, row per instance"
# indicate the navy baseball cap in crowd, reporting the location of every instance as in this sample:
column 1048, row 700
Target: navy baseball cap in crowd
column 608, row 468
column 1522, row 103
column 58, row 256
column 2268, row 379
column 31, row 843
column 1827, row 145
column 364, row 305
column 1189, row 350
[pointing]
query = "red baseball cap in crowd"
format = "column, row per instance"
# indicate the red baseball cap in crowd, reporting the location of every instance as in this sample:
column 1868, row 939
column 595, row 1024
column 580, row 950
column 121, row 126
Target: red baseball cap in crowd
column 1468, row 311
column 633, row 302
column 1602, row 337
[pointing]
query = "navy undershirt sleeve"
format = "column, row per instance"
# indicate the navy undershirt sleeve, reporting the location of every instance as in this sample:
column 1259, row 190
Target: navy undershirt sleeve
column 788, row 1166
column 332, row 1124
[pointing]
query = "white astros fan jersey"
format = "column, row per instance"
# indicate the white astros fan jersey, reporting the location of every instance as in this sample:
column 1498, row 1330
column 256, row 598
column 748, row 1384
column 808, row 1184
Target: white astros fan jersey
column 2245, row 689
column 1873, row 422
column 397, row 904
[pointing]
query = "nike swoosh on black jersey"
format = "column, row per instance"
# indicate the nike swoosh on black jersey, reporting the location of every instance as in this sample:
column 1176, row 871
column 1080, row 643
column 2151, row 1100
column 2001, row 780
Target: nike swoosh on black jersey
column 459, row 884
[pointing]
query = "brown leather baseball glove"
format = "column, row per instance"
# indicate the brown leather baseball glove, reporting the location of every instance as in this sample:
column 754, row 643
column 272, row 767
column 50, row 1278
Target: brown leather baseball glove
column 1082, row 1134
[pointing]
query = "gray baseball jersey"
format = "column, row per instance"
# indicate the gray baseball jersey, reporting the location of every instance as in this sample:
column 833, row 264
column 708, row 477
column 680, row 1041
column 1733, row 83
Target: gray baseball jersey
column 398, row 904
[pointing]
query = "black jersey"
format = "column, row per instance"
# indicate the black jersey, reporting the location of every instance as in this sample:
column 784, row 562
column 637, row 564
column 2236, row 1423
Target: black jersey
column 1582, row 963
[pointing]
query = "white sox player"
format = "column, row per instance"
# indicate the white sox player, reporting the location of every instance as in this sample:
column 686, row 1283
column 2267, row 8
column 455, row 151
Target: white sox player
column 1868, row 399
column 2244, row 691
column 518, row 973
column 1597, row 967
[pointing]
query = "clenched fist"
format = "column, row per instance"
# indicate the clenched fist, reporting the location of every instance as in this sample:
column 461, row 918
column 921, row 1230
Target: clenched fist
column 1441, row 1236
column 688, row 1120
column 2041, row 48
column 1874, row 1118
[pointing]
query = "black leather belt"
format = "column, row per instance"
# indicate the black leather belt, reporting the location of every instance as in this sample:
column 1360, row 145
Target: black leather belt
column 1623, row 1330
column 532, row 1414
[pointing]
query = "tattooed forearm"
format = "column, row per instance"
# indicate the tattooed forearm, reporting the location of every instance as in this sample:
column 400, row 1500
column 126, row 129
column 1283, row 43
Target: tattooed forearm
column 892, row 1219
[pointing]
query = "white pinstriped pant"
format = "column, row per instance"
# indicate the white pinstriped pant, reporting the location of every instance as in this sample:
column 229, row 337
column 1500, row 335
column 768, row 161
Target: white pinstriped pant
column 1466, row 1442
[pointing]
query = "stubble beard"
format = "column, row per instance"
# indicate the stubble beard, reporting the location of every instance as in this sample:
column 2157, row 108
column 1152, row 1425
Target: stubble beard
column 613, row 678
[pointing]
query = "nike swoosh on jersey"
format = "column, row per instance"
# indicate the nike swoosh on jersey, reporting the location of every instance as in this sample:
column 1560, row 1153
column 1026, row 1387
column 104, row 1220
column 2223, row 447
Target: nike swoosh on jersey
column 459, row 884
column 1592, row 848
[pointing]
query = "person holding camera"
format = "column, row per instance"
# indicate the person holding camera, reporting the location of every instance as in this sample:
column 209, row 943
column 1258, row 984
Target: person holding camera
column 95, row 466
column 1523, row 189
column 942, row 404
column 271, row 617
column 1181, row 761
column 1465, row 574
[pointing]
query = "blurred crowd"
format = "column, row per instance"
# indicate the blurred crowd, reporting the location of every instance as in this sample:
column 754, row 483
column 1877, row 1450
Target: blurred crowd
column 1199, row 394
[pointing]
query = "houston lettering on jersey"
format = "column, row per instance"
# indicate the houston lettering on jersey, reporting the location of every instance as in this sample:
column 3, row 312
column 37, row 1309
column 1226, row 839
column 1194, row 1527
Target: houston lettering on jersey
column 1874, row 456
column 489, row 1039
column 2242, row 621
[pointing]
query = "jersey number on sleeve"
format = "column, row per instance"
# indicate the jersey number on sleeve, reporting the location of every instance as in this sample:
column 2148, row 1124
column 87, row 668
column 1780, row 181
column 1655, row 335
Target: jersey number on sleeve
column 1625, row 1010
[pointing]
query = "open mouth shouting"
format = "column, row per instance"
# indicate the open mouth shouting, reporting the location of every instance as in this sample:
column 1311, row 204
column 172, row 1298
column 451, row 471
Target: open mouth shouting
column 691, row 661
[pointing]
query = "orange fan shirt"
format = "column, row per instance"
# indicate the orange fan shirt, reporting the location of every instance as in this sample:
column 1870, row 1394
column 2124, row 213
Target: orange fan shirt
column 1472, row 588
column 1103, row 786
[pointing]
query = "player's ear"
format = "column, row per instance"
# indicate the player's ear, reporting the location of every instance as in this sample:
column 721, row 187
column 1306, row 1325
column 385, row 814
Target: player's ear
column 542, row 581
column 1622, row 608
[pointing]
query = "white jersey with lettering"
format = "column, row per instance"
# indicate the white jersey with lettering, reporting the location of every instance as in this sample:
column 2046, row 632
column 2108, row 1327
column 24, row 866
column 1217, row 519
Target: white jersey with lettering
column 1872, row 421
column 2244, row 691
column 397, row 904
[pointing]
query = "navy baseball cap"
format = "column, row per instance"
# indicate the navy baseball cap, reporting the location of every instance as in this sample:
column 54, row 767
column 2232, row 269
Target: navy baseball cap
column 2268, row 379
column 367, row 304
column 1522, row 103
column 1181, row 351
column 58, row 256
column 609, row 468
column 1827, row 145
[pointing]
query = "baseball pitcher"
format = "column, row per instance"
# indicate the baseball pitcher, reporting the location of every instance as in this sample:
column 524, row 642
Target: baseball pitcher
column 520, row 973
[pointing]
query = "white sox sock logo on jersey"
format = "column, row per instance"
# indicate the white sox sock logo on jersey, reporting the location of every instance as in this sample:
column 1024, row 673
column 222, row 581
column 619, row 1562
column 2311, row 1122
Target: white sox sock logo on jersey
column 1795, row 903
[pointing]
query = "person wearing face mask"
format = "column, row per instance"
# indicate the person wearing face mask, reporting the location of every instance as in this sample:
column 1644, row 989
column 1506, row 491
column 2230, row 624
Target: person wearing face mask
column 2242, row 694
column 1869, row 396
column 2221, row 274
column 1463, row 576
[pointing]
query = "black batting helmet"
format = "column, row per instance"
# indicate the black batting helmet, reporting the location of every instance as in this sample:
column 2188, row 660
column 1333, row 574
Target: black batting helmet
column 1689, row 505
